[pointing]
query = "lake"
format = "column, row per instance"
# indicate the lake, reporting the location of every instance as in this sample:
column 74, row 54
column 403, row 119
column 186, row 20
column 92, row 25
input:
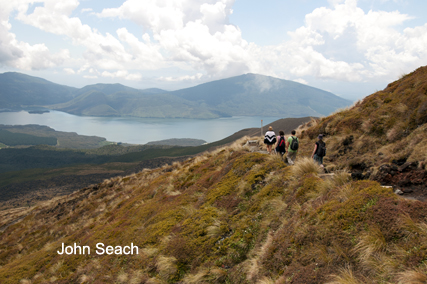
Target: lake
column 135, row 130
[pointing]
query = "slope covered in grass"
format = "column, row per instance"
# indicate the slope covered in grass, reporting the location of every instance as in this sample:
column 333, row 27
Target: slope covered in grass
column 387, row 125
column 236, row 216
column 228, row 216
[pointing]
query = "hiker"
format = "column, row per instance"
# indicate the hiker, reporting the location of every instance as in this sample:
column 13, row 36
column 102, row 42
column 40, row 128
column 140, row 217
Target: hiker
column 269, row 139
column 292, row 146
column 319, row 150
column 281, row 143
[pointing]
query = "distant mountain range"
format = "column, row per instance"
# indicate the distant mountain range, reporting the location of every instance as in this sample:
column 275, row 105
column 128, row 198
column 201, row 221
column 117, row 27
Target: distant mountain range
column 245, row 95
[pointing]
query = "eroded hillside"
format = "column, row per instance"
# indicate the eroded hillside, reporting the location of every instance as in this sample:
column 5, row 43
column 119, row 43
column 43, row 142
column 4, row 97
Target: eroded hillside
column 229, row 216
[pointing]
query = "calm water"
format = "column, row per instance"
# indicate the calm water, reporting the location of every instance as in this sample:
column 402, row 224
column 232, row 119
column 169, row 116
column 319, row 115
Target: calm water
column 136, row 130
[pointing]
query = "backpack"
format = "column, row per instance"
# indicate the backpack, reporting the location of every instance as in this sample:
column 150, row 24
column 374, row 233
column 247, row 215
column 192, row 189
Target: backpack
column 282, row 142
column 281, row 147
column 321, row 149
column 294, row 144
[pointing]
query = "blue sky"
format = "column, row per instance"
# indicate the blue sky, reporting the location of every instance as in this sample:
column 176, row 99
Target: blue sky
column 351, row 48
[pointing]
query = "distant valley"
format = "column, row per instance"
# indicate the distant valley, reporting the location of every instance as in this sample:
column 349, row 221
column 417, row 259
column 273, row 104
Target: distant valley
column 245, row 95
column 31, row 171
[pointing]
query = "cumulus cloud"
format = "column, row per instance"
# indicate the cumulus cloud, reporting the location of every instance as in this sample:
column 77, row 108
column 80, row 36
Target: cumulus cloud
column 194, row 32
column 182, row 78
column 69, row 71
column 103, row 52
column 373, row 45
column 122, row 74
column 21, row 55
column 339, row 42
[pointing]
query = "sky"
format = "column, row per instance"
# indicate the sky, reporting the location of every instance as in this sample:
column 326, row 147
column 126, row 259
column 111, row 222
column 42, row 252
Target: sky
column 351, row 48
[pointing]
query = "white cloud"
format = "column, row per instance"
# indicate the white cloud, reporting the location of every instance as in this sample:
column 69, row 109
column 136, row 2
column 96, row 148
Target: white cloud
column 191, row 31
column 69, row 71
column 373, row 45
column 338, row 42
column 196, row 77
column 20, row 54
column 122, row 74
column 301, row 81
column 105, row 52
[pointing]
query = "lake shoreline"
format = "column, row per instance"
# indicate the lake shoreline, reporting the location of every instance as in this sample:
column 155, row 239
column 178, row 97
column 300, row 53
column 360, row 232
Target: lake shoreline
column 135, row 131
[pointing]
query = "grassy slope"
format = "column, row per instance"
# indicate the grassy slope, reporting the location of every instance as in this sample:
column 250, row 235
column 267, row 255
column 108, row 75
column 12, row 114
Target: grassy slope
column 227, row 216
column 388, row 125
column 232, row 216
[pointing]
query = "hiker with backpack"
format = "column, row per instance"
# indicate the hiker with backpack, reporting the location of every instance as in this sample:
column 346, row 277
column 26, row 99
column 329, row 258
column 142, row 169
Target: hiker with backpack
column 292, row 144
column 281, row 143
column 270, row 139
column 319, row 150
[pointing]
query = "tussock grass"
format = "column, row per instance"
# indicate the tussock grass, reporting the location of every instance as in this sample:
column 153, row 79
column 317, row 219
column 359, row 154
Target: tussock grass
column 138, row 277
column 413, row 228
column 370, row 243
column 252, row 266
column 170, row 190
column 214, row 230
column 276, row 157
column 150, row 251
column 122, row 277
column 54, row 268
column 338, row 184
column 83, row 279
column 265, row 280
column 196, row 278
column 166, row 266
column 413, row 276
column 345, row 276
column 305, row 166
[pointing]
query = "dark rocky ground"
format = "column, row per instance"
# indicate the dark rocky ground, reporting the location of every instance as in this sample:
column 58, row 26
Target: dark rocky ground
column 407, row 179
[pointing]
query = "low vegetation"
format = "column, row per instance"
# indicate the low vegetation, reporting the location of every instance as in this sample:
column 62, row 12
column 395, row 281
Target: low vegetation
column 24, row 135
column 227, row 216
column 388, row 125
column 230, row 215
column 18, row 139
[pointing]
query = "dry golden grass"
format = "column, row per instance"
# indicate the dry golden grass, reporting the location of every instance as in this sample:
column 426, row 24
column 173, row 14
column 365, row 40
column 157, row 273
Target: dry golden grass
column 370, row 243
column 413, row 276
column 196, row 278
column 155, row 280
column 214, row 230
column 137, row 277
column 84, row 279
column 339, row 180
column 265, row 280
column 150, row 251
column 413, row 228
column 122, row 277
column 170, row 190
column 345, row 276
column 305, row 166
column 276, row 157
column 166, row 266
column 56, row 266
